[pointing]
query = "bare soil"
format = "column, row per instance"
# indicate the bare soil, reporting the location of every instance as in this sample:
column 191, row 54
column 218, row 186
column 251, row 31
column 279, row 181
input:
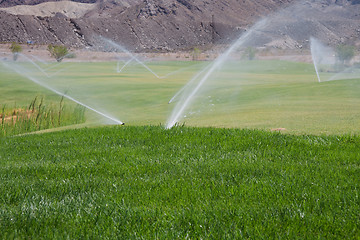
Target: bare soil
column 49, row 9
column 86, row 55
column 173, row 25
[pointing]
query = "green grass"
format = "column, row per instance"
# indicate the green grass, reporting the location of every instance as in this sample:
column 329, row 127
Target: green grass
column 245, row 94
column 145, row 182
column 37, row 116
column 185, row 183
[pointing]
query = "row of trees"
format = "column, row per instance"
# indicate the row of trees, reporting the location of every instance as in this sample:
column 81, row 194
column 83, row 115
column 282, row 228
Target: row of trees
column 56, row 51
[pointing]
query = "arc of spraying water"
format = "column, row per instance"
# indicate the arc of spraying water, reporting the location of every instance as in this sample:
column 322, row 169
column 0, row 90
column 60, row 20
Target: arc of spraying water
column 119, row 47
column 338, row 76
column 188, row 84
column 34, row 63
column 64, row 95
column 59, row 71
column 59, row 63
column 53, row 66
column 44, row 62
column 127, row 63
column 39, row 59
column 44, row 71
column 313, row 56
column 182, row 106
column 179, row 70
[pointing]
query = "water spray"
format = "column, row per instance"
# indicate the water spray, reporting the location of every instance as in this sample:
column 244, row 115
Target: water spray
column 313, row 55
column 64, row 95
column 183, row 105
column 133, row 57
column 179, row 70
column 44, row 71
column 119, row 47
column 188, row 84
column 122, row 68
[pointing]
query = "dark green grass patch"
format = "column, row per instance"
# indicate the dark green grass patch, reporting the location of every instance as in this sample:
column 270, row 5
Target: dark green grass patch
column 183, row 183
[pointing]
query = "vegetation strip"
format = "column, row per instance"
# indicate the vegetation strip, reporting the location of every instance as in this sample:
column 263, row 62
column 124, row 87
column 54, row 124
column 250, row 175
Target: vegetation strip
column 38, row 116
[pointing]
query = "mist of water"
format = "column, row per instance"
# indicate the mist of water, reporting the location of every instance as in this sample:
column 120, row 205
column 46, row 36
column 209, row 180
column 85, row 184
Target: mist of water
column 352, row 72
column 327, row 67
column 119, row 70
column 314, row 56
column 21, row 70
column 180, row 70
column 44, row 71
column 323, row 57
column 133, row 57
column 188, row 96
column 39, row 59
column 197, row 75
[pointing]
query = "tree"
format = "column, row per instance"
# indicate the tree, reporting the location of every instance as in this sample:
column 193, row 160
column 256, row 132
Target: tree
column 249, row 53
column 345, row 53
column 58, row 52
column 196, row 54
column 15, row 49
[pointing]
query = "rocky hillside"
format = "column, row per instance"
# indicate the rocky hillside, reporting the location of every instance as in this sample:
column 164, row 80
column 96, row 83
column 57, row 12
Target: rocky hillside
column 11, row 3
column 151, row 25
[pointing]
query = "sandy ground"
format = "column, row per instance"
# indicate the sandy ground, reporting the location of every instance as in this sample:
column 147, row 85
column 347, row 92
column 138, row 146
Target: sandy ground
column 49, row 9
column 86, row 55
column 40, row 51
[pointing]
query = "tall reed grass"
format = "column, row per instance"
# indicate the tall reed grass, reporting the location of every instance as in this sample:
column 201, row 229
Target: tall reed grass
column 39, row 116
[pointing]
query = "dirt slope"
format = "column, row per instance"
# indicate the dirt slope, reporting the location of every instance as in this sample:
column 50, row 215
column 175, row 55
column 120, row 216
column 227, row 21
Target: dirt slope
column 150, row 25
column 11, row 3
column 49, row 9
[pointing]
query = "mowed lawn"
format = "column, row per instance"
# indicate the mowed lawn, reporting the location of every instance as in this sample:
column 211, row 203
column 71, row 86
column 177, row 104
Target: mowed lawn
column 242, row 94
column 142, row 182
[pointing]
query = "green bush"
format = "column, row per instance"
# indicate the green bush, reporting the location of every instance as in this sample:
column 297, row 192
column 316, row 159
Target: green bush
column 196, row 54
column 250, row 53
column 58, row 52
column 345, row 53
column 15, row 49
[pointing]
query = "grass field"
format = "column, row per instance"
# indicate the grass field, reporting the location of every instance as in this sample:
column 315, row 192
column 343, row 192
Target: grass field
column 141, row 181
column 184, row 183
column 244, row 94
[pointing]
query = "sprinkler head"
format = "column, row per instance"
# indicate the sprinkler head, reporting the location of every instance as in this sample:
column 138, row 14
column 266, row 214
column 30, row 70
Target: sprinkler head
column 123, row 124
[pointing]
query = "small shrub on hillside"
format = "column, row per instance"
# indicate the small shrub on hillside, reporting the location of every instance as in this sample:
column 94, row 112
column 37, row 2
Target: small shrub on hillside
column 196, row 54
column 15, row 49
column 345, row 53
column 58, row 52
column 249, row 53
